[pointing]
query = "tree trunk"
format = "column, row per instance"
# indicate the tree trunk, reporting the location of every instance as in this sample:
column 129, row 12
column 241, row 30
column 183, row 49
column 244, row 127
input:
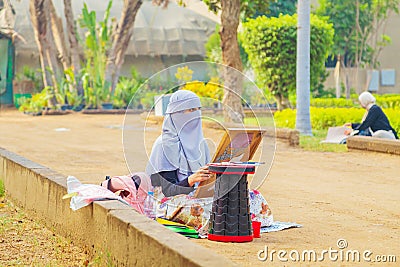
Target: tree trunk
column 58, row 34
column 73, row 42
column 303, row 121
column 233, row 80
column 282, row 102
column 39, row 10
column 348, row 83
column 120, row 43
column 52, row 53
column 337, row 77
column 57, row 31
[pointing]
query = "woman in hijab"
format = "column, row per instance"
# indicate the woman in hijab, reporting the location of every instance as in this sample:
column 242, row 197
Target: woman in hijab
column 375, row 123
column 180, row 154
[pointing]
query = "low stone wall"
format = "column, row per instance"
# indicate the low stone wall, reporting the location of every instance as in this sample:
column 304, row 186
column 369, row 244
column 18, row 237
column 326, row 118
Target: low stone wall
column 292, row 136
column 104, row 226
column 374, row 144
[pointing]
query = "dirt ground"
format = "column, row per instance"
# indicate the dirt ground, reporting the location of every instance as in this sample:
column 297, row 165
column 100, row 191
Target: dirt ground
column 352, row 196
column 25, row 242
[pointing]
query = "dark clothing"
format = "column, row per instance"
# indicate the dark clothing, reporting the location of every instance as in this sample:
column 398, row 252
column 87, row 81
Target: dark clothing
column 376, row 120
column 168, row 180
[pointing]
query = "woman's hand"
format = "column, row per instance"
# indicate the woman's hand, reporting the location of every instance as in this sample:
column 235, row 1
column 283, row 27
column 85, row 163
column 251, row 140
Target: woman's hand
column 201, row 175
column 348, row 131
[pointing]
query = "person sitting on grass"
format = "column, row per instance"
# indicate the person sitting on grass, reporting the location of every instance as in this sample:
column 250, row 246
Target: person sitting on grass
column 374, row 123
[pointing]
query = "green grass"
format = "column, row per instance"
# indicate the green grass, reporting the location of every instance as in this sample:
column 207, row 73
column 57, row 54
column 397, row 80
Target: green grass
column 312, row 143
column 2, row 190
column 259, row 121
column 248, row 121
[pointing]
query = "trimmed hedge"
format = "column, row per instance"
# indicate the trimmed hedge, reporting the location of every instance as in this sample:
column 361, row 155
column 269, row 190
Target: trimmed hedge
column 323, row 118
column 388, row 101
column 331, row 102
column 384, row 101
column 271, row 46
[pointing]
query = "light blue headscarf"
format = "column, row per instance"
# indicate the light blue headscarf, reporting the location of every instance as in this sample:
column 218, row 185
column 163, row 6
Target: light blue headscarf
column 181, row 145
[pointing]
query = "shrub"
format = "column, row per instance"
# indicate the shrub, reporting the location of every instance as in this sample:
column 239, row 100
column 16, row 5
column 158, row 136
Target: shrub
column 384, row 101
column 331, row 102
column 31, row 75
column 126, row 89
column 210, row 92
column 394, row 118
column 271, row 46
column 388, row 101
column 212, row 89
column 285, row 118
column 323, row 118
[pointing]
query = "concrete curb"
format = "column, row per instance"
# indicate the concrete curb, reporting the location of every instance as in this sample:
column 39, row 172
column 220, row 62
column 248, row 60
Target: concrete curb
column 111, row 111
column 104, row 226
column 374, row 144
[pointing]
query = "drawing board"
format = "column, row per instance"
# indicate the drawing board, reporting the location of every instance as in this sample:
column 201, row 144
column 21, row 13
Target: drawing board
column 237, row 145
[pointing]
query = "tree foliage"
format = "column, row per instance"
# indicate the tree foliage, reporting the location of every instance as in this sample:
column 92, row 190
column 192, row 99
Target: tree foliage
column 359, row 25
column 214, row 51
column 255, row 8
column 272, row 9
column 249, row 8
column 271, row 47
column 283, row 7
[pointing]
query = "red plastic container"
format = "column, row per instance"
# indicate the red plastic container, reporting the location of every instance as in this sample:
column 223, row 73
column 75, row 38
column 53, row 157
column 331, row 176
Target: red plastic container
column 256, row 229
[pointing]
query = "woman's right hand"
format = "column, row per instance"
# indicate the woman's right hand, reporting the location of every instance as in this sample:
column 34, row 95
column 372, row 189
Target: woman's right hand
column 199, row 176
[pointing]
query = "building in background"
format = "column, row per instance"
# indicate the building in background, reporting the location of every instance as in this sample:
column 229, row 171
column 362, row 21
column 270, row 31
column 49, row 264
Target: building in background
column 162, row 36
column 386, row 78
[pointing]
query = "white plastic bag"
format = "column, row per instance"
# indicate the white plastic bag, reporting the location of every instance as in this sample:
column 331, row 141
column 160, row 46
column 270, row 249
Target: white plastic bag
column 83, row 194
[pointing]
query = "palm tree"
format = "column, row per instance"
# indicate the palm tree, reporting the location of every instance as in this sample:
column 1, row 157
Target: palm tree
column 303, row 122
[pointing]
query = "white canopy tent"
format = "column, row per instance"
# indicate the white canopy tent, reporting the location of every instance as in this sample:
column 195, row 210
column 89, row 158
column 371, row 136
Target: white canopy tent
column 163, row 36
